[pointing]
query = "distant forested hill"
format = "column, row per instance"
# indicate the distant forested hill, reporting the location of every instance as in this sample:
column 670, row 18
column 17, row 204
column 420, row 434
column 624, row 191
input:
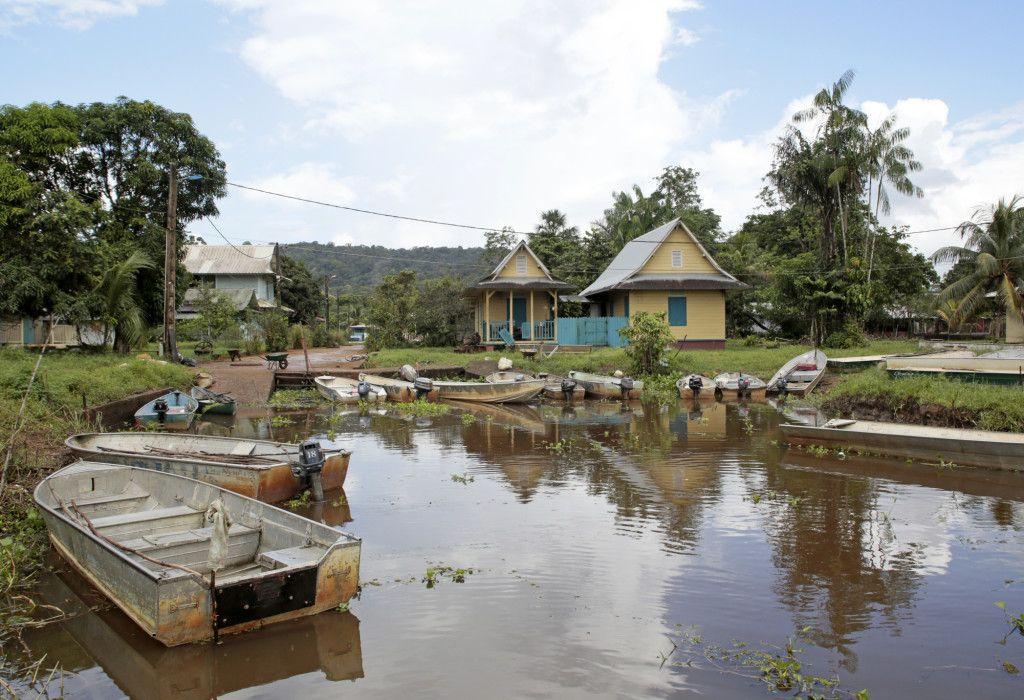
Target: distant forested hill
column 364, row 265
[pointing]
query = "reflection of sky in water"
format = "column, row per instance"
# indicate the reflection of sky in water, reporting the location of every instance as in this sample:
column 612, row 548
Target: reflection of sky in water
column 593, row 554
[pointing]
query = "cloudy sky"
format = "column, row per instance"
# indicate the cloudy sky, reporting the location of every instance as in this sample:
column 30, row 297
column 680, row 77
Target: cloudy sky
column 486, row 113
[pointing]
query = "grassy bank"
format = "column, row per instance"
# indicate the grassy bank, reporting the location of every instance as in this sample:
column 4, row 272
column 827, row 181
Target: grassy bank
column 759, row 361
column 52, row 412
column 928, row 400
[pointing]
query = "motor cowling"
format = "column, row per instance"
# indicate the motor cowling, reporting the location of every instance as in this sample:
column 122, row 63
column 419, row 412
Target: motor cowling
column 568, row 387
column 626, row 385
column 783, row 386
column 695, row 383
column 311, row 463
column 423, row 386
column 160, row 407
column 363, row 389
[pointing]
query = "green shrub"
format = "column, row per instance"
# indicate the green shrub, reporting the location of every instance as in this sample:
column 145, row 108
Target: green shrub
column 753, row 341
column 253, row 345
column 275, row 330
column 297, row 333
column 321, row 338
column 647, row 335
column 850, row 336
column 232, row 336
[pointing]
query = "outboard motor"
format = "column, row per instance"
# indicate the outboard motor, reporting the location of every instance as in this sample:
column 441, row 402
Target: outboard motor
column 696, row 384
column 161, row 407
column 626, row 385
column 568, row 387
column 363, row 389
column 783, row 386
column 311, row 463
column 408, row 373
column 743, row 387
column 423, row 386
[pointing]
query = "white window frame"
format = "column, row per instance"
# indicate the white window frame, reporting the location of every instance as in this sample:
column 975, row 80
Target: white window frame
column 521, row 264
column 677, row 254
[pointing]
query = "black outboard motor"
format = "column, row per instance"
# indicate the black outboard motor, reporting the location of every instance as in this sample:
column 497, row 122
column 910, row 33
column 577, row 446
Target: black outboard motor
column 783, row 386
column 311, row 463
column 423, row 386
column 161, row 407
column 363, row 389
column 696, row 384
column 743, row 387
column 626, row 385
column 568, row 387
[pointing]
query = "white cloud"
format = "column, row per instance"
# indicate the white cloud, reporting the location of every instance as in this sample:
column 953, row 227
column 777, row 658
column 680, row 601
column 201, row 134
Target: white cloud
column 74, row 14
column 484, row 113
column 316, row 181
column 686, row 37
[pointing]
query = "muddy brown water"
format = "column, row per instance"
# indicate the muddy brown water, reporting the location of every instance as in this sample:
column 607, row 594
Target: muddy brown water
column 599, row 537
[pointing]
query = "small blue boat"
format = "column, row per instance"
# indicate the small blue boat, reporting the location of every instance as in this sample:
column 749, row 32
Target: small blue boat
column 173, row 410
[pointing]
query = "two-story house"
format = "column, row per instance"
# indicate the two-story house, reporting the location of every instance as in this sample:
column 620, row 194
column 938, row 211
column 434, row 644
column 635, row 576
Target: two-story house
column 247, row 274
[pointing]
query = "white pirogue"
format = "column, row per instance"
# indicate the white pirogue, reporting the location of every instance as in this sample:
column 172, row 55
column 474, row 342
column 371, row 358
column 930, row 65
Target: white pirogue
column 345, row 390
column 188, row 561
column 800, row 375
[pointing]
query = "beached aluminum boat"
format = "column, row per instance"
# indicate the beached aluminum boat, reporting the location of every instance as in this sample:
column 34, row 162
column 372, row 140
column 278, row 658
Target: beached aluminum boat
column 212, row 402
column 255, row 468
column 599, row 386
column 800, row 375
column 490, row 392
column 187, row 560
column 705, row 387
column 508, row 376
column 727, row 385
column 558, row 388
column 345, row 390
column 173, row 411
column 981, row 448
column 400, row 389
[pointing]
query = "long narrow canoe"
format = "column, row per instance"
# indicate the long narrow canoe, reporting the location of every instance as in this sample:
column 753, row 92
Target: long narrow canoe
column 149, row 541
column 488, row 392
column 706, row 391
column 345, row 390
column 727, row 385
column 600, row 386
column 981, row 448
column 212, row 402
column 180, row 410
column 801, row 374
column 255, row 468
column 400, row 389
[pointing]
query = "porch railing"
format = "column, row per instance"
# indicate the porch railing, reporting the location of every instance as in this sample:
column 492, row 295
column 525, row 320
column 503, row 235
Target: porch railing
column 542, row 330
column 496, row 328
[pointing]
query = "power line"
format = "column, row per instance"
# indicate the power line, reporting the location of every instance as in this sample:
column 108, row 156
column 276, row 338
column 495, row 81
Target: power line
column 254, row 257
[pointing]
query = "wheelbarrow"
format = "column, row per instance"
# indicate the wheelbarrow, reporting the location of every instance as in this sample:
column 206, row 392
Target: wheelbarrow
column 276, row 358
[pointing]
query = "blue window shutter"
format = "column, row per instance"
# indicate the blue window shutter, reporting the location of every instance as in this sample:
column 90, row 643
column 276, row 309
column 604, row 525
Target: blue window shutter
column 677, row 311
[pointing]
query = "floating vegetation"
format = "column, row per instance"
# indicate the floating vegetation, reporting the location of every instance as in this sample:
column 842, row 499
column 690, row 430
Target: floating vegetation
column 463, row 478
column 468, row 419
column 779, row 669
column 818, row 450
column 437, row 573
column 422, row 408
column 300, row 500
column 343, row 608
column 295, row 398
column 281, row 421
column 1016, row 622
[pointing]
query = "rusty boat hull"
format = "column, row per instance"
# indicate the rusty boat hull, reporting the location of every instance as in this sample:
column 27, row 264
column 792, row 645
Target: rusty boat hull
column 599, row 386
column 259, row 469
column 141, row 538
column 490, row 392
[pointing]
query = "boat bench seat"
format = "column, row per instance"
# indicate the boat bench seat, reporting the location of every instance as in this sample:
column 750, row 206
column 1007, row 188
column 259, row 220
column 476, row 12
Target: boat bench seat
column 148, row 522
column 191, row 547
column 292, row 556
column 802, row 376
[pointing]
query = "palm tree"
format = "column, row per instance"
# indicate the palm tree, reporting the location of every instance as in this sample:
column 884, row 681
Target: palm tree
column 994, row 241
column 120, row 299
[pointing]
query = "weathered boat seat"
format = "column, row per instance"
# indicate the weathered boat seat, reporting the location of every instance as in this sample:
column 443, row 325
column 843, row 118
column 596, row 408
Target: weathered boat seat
column 191, row 547
column 802, row 376
column 148, row 522
column 111, row 504
column 292, row 556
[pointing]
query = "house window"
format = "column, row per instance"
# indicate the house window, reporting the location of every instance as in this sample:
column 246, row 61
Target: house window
column 677, row 258
column 521, row 264
column 677, row 311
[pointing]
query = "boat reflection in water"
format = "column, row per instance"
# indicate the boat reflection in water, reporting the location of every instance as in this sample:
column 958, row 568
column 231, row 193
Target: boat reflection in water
column 97, row 635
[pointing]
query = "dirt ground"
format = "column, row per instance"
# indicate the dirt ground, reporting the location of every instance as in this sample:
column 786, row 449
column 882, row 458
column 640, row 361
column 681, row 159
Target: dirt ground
column 249, row 380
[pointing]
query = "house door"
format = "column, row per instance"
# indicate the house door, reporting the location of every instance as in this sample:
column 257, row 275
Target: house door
column 519, row 316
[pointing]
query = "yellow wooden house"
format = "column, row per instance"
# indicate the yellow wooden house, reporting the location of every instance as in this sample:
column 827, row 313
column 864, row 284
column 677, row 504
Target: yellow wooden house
column 667, row 271
column 518, row 300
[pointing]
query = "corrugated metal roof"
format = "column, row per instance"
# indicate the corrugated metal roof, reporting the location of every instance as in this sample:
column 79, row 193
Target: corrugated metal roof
column 230, row 260
column 635, row 254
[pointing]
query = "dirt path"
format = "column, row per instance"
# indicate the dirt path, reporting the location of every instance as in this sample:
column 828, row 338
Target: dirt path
column 249, row 380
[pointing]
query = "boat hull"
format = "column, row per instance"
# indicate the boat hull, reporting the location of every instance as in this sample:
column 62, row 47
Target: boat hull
column 554, row 391
column 977, row 448
column 487, row 392
column 271, row 483
column 175, row 607
column 601, row 387
column 707, row 391
column 181, row 411
column 397, row 389
column 340, row 390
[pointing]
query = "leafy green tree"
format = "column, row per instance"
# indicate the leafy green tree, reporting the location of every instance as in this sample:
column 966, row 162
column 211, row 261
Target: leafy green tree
column 301, row 292
column 497, row 244
column 994, row 242
column 647, row 335
column 443, row 314
column 391, row 311
column 122, row 308
column 217, row 314
column 274, row 325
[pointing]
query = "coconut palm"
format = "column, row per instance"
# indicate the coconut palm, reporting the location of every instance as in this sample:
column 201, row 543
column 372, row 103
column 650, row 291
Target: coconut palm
column 121, row 306
column 994, row 241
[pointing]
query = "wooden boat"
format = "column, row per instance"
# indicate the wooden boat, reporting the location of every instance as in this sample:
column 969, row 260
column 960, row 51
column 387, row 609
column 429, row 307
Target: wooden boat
column 800, row 375
column 212, row 402
column 980, row 448
column 142, row 537
column 601, row 386
column 174, row 410
column 400, row 389
column 727, row 385
column 706, row 392
column 345, row 390
column 490, row 392
column 255, row 468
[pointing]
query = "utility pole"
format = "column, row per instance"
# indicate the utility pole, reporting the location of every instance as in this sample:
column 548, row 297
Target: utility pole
column 171, row 265
column 277, row 274
column 327, row 305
